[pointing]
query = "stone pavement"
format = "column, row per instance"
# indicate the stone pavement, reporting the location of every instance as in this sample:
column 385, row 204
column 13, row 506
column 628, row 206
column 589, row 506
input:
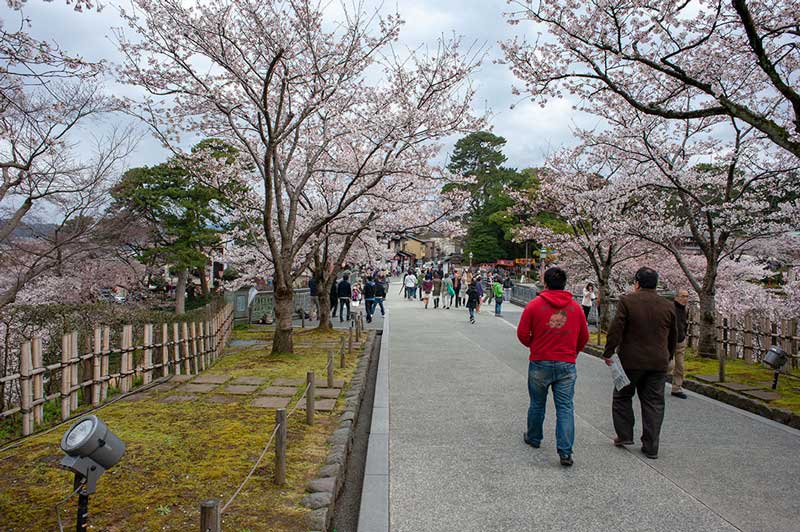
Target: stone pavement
column 457, row 407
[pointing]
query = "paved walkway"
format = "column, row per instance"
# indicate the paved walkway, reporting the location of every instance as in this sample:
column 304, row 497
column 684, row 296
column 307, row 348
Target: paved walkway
column 457, row 403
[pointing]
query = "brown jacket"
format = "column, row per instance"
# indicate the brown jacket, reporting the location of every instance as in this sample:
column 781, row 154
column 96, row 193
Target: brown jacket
column 644, row 331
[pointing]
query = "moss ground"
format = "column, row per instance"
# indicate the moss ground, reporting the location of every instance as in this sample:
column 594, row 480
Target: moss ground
column 179, row 454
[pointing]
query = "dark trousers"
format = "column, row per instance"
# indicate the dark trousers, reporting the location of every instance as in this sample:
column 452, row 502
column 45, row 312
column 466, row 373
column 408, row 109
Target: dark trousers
column 458, row 297
column 344, row 302
column 650, row 387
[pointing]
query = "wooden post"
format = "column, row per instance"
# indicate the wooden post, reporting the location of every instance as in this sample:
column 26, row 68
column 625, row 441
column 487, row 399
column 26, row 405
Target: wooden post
column 38, row 380
column 193, row 336
column 204, row 359
column 148, row 354
column 720, row 352
column 302, row 318
column 210, row 516
column 26, row 388
column 74, row 372
column 187, row 362
column 330, row 368
column 786, row 341
column 125, row 366
column 748, row 337
column 342, row 360
column 350, row 341
column 280, row 447
column 726, row 340
column 164, row 350
column 97, row 378
column 310, row 398
column 792, row 342
column 104, row 370
column 176, row 346
column 66, row 345
column 358, row 327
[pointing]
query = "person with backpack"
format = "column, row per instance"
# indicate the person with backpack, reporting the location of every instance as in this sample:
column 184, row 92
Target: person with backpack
column 334, row 297
column 497, row 289
column 380, row 295
column 472, row 300
column 508, row 288
column 554, row 330
column 427, row 287
column 437, row 290
column 344, row 293
column 410, row 282
column 369, row 298
column 457, row 288
column 450, row 293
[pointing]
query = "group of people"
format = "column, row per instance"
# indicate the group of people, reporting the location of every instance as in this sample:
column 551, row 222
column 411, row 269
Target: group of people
column 648, row 333
column 371, row 289
column 458, row 288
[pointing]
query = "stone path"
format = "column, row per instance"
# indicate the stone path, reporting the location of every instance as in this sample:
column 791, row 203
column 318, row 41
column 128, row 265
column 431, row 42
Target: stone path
column 457, row 401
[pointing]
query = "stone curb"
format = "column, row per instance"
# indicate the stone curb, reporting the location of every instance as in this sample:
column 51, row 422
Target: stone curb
column 324, row 489
column 781, row 415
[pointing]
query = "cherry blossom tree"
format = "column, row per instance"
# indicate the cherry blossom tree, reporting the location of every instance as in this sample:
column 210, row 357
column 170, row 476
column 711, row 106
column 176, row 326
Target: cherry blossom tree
column 289, row 89
column 675, row 60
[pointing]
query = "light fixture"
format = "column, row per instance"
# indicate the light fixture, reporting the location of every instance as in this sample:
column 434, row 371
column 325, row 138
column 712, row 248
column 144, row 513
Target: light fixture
column 776, row 358
column 91, row 449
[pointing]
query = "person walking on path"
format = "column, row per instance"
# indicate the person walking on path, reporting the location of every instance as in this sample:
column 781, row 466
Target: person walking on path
column 312, row 293
column 380, row 295
column 334, row 296
column 450, row 292
column 457, row 288
column 676, row 366
column 554, row 329
column 437, row 290
column 369, row 298
column 427, row 287
column 420, row 278
column 479, row 288
column 588, row 299
column 644, row 333
column 508, row 287
column 410, row 282
column 497, row 288
column 344, row 293
column 472, row 301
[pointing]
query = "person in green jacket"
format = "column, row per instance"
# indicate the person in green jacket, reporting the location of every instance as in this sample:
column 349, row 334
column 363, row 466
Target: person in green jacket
column 497, row 289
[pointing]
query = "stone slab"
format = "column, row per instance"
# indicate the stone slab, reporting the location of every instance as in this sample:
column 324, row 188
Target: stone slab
column 327, row 393
column 323, row 405
column 271, row 402
column 764, row 395
column 167, row 386
column 318, row 382
column 250, row 381
column 212, row 379
column 182, row 378
column 738, row 387
column 221, row 399
column 198, row 388
column 707, row 378
column 283, row 391
column 178, row 398
column 288, row 382
column 240, row 389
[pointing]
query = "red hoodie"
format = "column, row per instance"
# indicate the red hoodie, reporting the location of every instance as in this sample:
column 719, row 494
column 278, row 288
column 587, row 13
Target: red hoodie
column 554, row 327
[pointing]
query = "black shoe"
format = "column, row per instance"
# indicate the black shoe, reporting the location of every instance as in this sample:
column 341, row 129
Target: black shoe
column 566, row 460
column 648, row 454
column 472, row 320
column 679, row 395
column 525, row 439
column 619, row 442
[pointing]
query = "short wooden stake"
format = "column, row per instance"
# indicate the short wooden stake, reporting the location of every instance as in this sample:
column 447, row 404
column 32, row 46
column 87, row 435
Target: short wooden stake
column 210, row 516
column 148, row 354
column 280, row 447
column 204, row 360
column 164, row 350
column 187, row 362
column 125, row 363
column 350, row 342
column 302, row 319
column 193, row 335
column 342, row 360
column 748, row 337
column 38, row 381
column 97, row 377
column 176, row 348
column 310, row 398
column 104, row 371
column 66, row 345
column 330, row 368
column 358, row 327
column 26, row 388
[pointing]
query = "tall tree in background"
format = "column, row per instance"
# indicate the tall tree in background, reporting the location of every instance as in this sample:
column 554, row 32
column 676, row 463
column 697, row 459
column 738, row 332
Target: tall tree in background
column 478, row 160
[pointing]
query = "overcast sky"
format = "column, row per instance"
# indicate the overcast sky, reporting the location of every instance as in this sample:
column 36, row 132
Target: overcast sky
column 531, row 131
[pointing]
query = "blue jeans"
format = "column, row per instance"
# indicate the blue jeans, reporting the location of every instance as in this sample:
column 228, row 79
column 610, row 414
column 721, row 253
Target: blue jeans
column 561, row 376
column 471, row 313
column 497, row 306
column 379, row 302
column 369, row 307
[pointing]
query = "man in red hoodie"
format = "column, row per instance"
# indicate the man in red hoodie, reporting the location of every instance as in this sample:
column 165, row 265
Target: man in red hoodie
column 554, row 327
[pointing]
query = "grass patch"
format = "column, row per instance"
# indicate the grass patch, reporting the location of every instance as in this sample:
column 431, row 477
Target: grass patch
column 179, row 454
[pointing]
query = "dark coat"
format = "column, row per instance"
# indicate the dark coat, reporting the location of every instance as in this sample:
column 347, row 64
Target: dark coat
column 644, row 331
column 380, row 290
column 344, row 289
column 369, row 290
column 333, row 293
column 472, row 297
column 683, row 324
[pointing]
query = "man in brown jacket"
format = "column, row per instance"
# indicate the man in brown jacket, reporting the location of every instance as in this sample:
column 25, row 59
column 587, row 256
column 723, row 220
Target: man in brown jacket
column 644, row 334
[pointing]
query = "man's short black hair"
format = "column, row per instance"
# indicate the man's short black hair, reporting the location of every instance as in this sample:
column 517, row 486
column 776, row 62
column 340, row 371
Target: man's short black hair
column 647, row 278
column 555, row 279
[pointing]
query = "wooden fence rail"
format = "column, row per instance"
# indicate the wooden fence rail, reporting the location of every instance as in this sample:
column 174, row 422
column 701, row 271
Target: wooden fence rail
column 87, row 378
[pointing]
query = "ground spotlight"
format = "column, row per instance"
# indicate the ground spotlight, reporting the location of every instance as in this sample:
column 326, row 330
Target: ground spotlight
column 776, row 358
column 91, row 449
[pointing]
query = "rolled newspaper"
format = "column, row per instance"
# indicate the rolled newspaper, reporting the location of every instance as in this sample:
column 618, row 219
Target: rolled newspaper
column 618, row 373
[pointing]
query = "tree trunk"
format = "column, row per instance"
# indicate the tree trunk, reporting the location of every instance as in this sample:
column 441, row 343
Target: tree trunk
column 707, row 335
column 180, row 291
column 284, row 309
column 203, row 280
column 324, row 295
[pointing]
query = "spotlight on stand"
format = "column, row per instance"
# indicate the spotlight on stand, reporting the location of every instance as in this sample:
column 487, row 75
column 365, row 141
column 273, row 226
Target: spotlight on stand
column 91, row 449
column 776, row 358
